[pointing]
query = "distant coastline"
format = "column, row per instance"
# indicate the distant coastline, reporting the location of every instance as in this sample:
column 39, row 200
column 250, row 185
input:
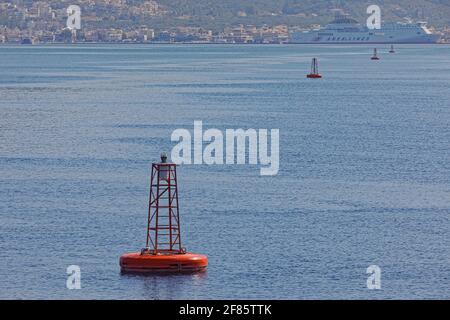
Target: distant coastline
column 208, row 43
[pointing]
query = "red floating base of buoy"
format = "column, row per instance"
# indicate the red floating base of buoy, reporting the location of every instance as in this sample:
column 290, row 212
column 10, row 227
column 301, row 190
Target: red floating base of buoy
column 160, row 263
column 314, row 76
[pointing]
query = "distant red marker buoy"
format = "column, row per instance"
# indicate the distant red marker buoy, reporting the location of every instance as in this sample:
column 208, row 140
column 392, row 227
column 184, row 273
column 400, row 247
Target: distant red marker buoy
column 163, row 251
column 375, row 55
column 314, row 70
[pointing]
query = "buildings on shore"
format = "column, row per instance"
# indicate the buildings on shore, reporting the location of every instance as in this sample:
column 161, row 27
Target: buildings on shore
column 45, row 22
column 144, row 34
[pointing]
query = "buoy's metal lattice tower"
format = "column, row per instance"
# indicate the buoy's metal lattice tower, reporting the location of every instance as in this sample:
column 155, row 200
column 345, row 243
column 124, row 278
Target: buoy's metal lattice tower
column 314, row 66
column 163, row 231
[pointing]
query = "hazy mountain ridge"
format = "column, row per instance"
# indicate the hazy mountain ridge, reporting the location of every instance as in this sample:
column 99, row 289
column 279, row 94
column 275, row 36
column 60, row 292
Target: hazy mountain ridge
column 218, row 14
column 304, row 12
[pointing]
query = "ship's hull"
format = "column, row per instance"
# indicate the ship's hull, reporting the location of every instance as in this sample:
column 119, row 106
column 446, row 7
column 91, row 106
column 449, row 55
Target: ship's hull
column 326, row 37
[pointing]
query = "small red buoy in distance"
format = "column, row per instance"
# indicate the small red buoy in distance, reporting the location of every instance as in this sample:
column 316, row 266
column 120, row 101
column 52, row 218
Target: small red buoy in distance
column 163, row 251
column 314, row 70
column 375, row 55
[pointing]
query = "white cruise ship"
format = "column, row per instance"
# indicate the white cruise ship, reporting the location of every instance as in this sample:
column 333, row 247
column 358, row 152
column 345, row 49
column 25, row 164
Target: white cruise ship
column 346, row 30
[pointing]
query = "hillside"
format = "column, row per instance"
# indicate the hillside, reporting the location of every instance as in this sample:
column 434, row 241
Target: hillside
column 300, row 12
column 216, row 14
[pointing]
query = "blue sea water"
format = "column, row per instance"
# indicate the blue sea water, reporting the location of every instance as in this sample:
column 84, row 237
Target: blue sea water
column 364, row 170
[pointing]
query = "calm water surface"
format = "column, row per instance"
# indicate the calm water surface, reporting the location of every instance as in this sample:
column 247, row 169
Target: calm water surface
column 364, row 169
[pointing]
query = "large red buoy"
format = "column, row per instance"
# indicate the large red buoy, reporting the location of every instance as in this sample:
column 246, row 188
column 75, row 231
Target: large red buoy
column 163, row 251
column 314, row 70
